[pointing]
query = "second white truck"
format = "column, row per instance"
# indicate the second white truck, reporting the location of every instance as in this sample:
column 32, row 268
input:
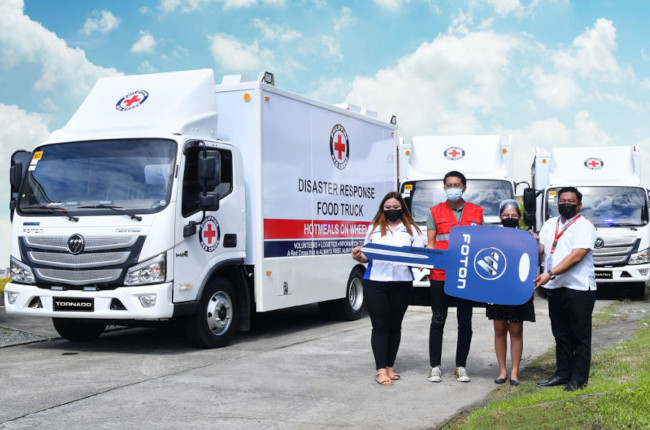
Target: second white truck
column 484, row 160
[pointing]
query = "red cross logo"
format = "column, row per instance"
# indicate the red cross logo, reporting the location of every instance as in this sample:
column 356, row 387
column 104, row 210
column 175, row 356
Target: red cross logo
column 339, row 147
column 454, row 153
column 594, row 163
column 209, row 234
column 132, row 100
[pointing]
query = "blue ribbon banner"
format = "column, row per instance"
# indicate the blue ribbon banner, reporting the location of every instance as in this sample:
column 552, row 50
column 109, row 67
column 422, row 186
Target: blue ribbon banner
column 487, row 264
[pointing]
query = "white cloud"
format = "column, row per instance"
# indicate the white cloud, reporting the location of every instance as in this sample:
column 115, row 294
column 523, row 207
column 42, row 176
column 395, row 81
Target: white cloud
column 557, row 90
column 646, row 83
column 145, row 45
column 146, row 67
column 344, row 20
column 62, row 69
column 588, row 132
column 443, row 85
column 234, row 55
column 185, row 6
column 329, row 90
column 508, row 7
column 273, row 31
column 332, row 46
column 390, row 5
column 102, row 21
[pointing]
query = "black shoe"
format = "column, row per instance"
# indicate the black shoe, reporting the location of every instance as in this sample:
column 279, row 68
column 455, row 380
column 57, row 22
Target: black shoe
column 553, row 382
column 574, row 386
column 514, row 382
column 499, row 380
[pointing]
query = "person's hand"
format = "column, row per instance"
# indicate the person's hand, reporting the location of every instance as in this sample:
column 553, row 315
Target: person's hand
column 356, row 253
column 534, row 235
column 541, row 279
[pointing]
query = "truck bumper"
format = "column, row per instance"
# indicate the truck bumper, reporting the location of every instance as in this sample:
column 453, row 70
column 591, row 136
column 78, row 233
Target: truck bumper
column 625, row 274
column 30, row 300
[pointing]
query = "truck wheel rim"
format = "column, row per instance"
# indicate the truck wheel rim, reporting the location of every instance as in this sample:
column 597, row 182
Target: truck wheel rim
column 219, row 313
column 355, row 294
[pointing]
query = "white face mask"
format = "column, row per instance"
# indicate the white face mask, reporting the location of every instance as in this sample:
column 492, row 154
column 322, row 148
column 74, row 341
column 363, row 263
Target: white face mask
column 454, row 194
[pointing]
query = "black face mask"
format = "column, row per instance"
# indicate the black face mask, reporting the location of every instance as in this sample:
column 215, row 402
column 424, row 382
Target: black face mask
column 567, row 210
column 393, row 215
column 510, row 222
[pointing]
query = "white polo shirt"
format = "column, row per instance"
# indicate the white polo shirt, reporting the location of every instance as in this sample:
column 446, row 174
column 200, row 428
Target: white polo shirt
column 580, row 234
column 380, row 270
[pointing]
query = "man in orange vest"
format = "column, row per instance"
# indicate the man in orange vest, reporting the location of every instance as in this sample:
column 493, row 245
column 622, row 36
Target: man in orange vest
column 455, row 211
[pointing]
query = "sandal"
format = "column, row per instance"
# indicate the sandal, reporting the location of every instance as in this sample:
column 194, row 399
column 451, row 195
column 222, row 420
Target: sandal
column 392, row 374
column 382, row 378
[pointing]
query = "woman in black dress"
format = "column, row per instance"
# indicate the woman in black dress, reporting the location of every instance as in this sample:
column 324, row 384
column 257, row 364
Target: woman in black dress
column 509, row 318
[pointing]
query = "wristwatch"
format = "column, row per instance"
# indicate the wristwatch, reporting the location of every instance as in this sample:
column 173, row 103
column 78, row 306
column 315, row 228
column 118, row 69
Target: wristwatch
column 551, row 275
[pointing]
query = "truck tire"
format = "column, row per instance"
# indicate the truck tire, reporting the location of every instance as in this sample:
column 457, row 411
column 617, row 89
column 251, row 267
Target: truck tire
column 352, row 307
column 215, row 321
column 78, row 330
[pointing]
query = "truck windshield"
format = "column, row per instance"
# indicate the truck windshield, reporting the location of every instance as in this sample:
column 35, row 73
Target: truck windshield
column 607, row 206
column 99, row 177
column 483, row 192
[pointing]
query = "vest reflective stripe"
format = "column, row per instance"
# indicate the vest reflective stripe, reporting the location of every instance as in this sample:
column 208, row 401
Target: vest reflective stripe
column 445, row 219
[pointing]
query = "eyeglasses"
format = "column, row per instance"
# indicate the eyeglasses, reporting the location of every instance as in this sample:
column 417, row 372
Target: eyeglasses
column 454, row 185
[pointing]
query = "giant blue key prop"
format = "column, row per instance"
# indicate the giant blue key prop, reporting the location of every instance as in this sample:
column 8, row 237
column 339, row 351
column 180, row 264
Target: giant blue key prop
column 487, row 264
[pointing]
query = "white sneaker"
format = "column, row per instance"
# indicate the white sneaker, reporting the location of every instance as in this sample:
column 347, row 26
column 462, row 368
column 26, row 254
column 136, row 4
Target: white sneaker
column 461, row 375
column 435, row 375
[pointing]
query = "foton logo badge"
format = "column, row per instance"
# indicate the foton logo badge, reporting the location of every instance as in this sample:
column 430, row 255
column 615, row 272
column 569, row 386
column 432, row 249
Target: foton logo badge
column 490, row 263
column 76, row 244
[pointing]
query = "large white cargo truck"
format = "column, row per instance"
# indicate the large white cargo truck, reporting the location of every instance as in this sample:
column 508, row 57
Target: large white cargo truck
column 613, row 199
column 167, row 197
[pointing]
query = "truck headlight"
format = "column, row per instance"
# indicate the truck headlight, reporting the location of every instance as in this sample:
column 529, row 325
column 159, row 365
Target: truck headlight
column 641, row 257
column 149, row 272
column 20, row 272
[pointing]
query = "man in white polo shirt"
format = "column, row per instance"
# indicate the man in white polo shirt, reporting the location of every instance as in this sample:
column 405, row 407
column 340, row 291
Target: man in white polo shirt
column 566, row 242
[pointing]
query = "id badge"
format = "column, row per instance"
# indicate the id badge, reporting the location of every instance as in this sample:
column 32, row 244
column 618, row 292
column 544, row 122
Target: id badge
column 549, row 263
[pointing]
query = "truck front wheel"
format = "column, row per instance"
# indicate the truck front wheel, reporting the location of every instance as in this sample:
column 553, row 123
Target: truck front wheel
column 78, row 330
column 215, row 322
column 352, row 307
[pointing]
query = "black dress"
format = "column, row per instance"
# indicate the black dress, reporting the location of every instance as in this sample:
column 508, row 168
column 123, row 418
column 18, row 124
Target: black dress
column 512, row 313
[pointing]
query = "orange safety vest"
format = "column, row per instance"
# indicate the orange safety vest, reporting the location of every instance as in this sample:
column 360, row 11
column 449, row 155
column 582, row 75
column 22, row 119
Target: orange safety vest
column 445, row 219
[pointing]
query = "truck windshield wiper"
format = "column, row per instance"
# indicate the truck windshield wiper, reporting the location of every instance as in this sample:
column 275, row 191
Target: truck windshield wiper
column 53, row 208
column 114, row 208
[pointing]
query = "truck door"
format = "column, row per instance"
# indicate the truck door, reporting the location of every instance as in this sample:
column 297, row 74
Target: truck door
column 213, row 234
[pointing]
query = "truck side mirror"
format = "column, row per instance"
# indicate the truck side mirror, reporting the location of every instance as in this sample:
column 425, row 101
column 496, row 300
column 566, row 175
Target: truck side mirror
column 19, row 162
column 16, row 176
column 209, row 170
column 530, row 206
column 209, row 201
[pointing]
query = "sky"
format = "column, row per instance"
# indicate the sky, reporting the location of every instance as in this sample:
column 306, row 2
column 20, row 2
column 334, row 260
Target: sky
column 546, row 72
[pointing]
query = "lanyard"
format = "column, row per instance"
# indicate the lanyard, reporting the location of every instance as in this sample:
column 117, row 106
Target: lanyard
column 558, row 236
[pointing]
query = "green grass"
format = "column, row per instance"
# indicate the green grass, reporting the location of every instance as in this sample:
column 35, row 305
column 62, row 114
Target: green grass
column 617, row 397
column 2, row 284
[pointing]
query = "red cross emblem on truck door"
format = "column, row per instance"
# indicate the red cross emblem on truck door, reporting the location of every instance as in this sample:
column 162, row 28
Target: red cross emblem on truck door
column 209, row 234
column 454, row 153
column 594, row 163
column 132, row 100
column 339, row 147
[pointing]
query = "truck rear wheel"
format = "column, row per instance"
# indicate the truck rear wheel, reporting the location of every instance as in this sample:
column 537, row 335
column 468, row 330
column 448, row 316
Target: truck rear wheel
column 215, row 322
column 78, row 330
column 352, row 307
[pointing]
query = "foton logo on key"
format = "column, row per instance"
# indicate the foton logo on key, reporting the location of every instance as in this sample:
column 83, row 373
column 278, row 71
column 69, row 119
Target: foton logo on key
column 490, row 263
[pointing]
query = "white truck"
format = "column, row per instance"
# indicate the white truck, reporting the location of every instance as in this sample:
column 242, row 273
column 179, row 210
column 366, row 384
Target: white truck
column 169, row 197
column 484, row 160
column 613, row 199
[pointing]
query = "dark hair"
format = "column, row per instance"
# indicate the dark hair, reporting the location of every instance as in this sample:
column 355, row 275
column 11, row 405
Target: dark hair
column 455, row 174
column 510, row 203
column 570, row 190
column 380, row 218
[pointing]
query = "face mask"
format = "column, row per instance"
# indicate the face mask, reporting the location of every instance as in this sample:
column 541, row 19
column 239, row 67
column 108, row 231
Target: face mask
column 454, row 194
column 510, row 222
column 393, row 215
column 567, row 210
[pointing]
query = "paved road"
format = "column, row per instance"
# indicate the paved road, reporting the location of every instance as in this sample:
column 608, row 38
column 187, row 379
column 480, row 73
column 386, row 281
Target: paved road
column 294, row 370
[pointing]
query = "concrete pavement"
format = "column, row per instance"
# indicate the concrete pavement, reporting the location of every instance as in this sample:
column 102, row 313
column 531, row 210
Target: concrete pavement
column 294, row 370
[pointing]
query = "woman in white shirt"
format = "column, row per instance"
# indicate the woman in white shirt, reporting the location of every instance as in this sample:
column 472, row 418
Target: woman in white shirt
column 387, row 286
